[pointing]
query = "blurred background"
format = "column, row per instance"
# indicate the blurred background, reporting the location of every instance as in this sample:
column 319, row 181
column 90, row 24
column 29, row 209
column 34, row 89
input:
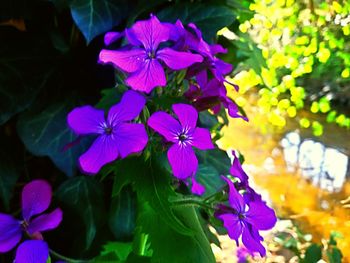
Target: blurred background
column 293, row 72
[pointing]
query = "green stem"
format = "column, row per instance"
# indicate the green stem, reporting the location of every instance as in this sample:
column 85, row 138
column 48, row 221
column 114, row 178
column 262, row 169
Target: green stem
column 68, row 260
column 194, row 202
column 142, row 244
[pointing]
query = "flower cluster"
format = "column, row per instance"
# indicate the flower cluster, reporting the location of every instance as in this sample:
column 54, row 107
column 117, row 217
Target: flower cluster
column 245, row 213
column 36, row 198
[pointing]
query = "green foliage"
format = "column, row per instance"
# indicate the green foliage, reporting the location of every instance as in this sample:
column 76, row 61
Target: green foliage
column 84, row 196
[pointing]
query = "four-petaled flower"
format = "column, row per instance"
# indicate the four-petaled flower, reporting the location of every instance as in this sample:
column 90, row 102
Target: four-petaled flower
column 143, row 60
column 184, row 135
column 246, row 219
column 36, row 198
column 117, row 137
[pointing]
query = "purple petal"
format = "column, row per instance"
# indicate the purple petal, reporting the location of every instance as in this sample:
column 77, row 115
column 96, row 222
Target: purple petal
column 235, row 199
column 149, row 32
column 251, row 240
column 261, row 216
column 131, row 138
column 86, row 120
column 150, row 75
column 197, row 188
column 32, row 251
column 127, row 60
column 220, row 69
column 102, row 151
column 202, row 78
column 128, row 108
column 232, row 108
column 45, row 222
column 178, row 60
column 10, row 232
column 164, row 124
column 202, row 139
column 217, row 48
column 186, row 114
column 36, row 198
column 182, row 160
column 236, row 170
column 111, row 37
column 233, row 225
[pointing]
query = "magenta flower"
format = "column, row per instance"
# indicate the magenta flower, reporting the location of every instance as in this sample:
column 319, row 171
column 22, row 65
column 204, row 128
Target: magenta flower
column 36, row 198
column 246, row 219
column 117, row 137
column 184, row 135
column 212, row 95
column 143, row 61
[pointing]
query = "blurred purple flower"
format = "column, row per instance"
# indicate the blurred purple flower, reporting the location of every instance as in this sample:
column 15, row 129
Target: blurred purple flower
column 117, row 137
column 246, row 219
column 184, row 135
column 242, row 255
column 36, row 198
column 143, row 61
column 212, row 95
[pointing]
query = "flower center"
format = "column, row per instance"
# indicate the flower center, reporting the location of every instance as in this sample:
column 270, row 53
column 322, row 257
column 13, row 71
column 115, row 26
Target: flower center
column 151, row 54
column 108, row 130
column 241, row 216
column 182, row 137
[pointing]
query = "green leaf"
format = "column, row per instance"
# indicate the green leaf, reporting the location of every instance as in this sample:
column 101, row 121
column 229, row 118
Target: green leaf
column 334, row 255
column 109, row 98
column 177, row 247
column 313, row 254
column 209, row 18
column 216, row 158
column 152, row 185
column 84, row 196
column 208, row 176
column 25, row 66
column 121, row 249
column 94, row 17
column 122, row 218
column 45, row 133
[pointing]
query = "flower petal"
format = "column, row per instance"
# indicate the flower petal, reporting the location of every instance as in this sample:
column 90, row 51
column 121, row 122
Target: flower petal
column 111, row 37
column 150, row 75
column 197, row 188
column 202, row 139
column 36, row 198
column 186, row 114
column 86, row 120
column 235, row 199
column 45, row 222
column 233, row 225
column 128, row 108
column 251, row 240
column 178, row 60
column 126, row 60
column 164, row 124
column 10, row 232
column 32, row 251
column 261, row 216
column 102, row 151
column 217, row 48
column 236, row 170
column 132, row 138
column 149, row 32
column 182, row 160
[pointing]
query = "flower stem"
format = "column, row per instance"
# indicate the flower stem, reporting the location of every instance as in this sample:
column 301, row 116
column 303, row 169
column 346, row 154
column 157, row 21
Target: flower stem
column 192, row 202
column 68, row 260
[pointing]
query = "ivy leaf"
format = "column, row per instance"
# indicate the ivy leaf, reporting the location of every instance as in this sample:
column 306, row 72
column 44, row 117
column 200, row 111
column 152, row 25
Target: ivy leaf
column 94, row 17
column 25, row 66
column 84, row 196
column 209, row 18
column 122, row 218
column 45, row 133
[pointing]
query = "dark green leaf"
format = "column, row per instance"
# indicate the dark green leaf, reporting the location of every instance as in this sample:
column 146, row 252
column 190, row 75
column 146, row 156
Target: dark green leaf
column 216, row 158
column 334, row 255
column 109, row 98
column 208, row 176
column 209, row 18
column 94, row 17
column 25, row 66
column 122, row 218
column 313, row 254
column 45, row 133
column 84, row 196
column 119, row 249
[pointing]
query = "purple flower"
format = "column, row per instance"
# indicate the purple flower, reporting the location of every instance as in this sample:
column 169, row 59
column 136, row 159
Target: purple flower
column 184, row 135
column 242, row 255
column 36, row 198
column 212, row 95
column 143, row 61
column 117, row 137
column 246, row 219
